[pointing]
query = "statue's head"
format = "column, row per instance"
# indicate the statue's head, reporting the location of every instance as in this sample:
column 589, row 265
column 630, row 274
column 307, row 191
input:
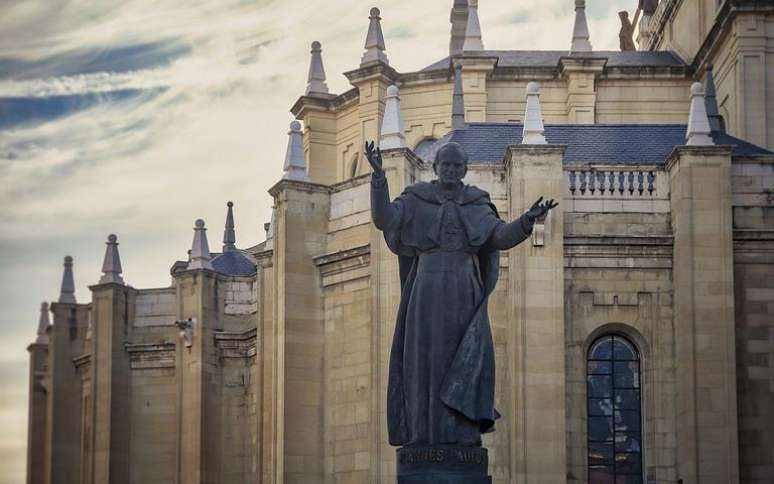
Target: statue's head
column 451, row 163
column 623, row 14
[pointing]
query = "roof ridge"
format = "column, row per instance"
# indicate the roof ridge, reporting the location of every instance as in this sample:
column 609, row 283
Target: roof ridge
column 501, row 123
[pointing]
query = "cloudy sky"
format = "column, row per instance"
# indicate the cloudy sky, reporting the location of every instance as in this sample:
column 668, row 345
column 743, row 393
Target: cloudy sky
column 138, row 117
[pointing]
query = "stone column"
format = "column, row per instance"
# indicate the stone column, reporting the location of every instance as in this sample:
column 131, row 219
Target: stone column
column 700, row 187
column 111, row 326
column 300, row 234
column 475, row 71
column 536, row 366
column 580, row 74
column 63, row 432
column 198, row 380
column 36, row 416
column 266, row 349
column 372, row 82
column 319, row 138
column 400, row 167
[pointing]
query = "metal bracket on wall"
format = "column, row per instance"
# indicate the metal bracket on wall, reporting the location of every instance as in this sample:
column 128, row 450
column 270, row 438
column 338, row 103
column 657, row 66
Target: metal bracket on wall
column 539, row 233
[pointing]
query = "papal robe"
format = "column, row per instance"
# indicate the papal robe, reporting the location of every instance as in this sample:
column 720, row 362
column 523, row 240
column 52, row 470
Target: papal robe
column 442, row 370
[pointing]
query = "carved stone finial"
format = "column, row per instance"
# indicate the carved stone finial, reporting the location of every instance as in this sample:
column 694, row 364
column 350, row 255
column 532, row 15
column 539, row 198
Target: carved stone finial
column 533, row 118
column 580, row 30
column 295, row 161
column 43, row 323
column 229, row 235
column 458, row 100
column 392, row 124
column 473, row 40
column 200, row 249
column 698, row 123
column 67, row 291
column 374, row 44
column 316, row 80
column 111, row 265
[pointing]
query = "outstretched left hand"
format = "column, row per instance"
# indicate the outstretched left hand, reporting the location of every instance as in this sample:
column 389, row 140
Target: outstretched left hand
column 539, row 210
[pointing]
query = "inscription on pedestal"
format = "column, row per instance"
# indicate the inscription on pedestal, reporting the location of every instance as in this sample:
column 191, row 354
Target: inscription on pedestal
column 460, row 456
column 447, row 464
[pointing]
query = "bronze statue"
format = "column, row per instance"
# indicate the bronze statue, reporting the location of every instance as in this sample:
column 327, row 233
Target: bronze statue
column 447, row 236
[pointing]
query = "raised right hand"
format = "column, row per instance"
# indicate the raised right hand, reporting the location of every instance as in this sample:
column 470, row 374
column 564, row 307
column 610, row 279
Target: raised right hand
column 374, row 156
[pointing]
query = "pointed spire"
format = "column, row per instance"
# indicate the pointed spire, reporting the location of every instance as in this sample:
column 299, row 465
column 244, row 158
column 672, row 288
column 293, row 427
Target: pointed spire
column 111, row 266
column 715, row 119
column 473, row 40
column 43, row 324
column 458, row 99
column 698, row 122
column 295, row 162
column 392, row 124
column 374, row 44
column 200, row 249
column 580, row 32
column 229, row 236
column 316, row 80
column 459, row 23
column 67, row 292
column 533, row 118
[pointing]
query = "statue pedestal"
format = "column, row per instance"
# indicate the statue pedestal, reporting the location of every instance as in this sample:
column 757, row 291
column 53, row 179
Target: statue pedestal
column 443, row 464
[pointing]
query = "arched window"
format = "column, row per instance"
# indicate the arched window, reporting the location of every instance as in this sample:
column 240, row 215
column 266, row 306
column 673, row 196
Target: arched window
column 614, row 412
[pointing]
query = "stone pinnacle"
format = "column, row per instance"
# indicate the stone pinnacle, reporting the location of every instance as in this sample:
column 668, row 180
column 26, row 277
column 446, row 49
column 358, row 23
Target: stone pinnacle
column 392, row 124
column 295, row 161
column 316, row 80
column 229, row 235
column 111, row 266
column 374, row 44
column 580, row 31
column 67, row 292
column 200, row 249
column 533, row 117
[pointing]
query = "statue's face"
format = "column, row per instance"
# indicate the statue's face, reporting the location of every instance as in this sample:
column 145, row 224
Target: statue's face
column 451, row 167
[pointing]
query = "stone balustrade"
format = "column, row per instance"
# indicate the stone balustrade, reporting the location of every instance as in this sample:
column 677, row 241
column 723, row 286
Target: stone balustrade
column 616, row 189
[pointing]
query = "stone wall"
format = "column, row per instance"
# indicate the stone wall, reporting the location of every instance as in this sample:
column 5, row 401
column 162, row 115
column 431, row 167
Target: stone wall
column 754, row 303
column 154, row 423
column 155, row 307
column 745, row 94
column 240, row 298
column 350, row 214
column 618, row 279
column 348, row 383
column 239, row 420
column 334, row 136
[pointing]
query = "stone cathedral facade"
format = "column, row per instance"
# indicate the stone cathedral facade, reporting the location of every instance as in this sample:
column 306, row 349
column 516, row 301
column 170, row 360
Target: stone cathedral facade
column 634, row 330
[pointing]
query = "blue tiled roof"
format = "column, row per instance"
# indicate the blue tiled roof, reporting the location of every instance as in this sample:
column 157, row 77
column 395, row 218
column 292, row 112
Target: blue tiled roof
column 233, row 263
column 550, row 58
column 590, row 143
